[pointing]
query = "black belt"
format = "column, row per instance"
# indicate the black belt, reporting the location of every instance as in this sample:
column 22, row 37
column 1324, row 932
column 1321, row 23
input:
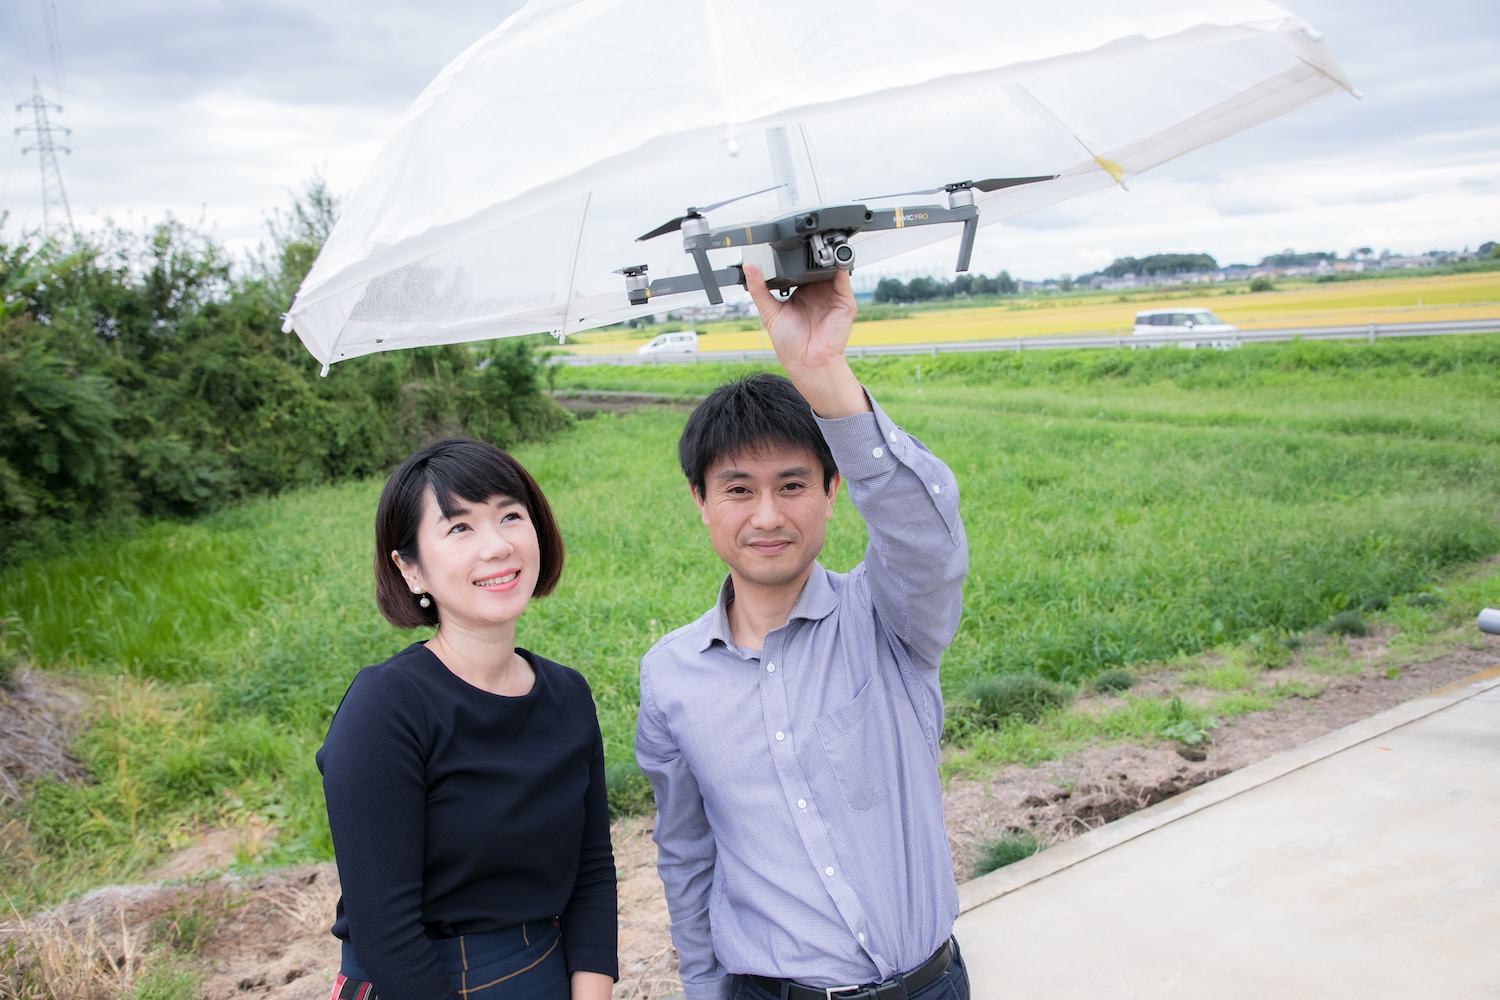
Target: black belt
column 917, row 978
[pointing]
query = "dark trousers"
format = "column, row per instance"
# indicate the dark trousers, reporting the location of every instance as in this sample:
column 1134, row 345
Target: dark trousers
column 951, row 985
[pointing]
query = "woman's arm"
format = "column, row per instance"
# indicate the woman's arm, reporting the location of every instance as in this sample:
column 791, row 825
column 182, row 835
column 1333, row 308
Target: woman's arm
column 591, row 986
column 374, row 782
column 591, row 918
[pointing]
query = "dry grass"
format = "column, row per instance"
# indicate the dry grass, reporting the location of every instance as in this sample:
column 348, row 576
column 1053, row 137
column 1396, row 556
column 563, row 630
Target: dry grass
column 38, row 720
column 44, row 959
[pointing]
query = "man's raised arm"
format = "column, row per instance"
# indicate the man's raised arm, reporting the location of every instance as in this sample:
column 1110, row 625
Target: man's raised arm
column 918, row 554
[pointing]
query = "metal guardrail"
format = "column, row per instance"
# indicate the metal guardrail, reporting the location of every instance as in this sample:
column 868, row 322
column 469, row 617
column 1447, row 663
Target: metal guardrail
column 1370, row 332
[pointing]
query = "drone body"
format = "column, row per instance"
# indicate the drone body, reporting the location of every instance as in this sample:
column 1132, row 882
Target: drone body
column 807, row 246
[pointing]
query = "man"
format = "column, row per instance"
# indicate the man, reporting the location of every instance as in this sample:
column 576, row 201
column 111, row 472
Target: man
column 791, row 733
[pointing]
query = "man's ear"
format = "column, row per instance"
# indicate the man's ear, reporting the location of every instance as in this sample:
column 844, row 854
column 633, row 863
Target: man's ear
column 833, row 493
column 700, row 501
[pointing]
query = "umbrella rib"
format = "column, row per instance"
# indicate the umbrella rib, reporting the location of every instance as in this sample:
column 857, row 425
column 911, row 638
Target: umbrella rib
column 573, row 271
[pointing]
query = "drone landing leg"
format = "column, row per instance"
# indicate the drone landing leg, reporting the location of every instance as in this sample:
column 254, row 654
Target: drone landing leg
column 966, row 244
column 706, row 275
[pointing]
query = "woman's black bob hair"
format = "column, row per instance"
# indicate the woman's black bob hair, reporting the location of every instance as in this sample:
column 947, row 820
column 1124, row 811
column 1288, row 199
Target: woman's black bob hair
column 455, row 469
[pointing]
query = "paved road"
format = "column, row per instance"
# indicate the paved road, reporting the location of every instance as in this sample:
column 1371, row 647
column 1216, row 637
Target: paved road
column 1365, row 864
column 1369, row 331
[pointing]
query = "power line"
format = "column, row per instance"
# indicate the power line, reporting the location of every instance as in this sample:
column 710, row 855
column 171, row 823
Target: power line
column 55, row 210
column 54, row 44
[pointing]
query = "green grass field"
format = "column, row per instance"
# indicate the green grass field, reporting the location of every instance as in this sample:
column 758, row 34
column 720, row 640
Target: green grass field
column 1122, row 508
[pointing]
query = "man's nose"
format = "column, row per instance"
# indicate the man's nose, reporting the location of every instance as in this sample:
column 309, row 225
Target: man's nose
column 767, row 513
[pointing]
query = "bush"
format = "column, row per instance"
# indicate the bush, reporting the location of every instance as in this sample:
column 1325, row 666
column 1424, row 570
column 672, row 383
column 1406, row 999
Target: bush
column 1007, row 850
column 1428, row 600
column 1262, row 285
column 629, row 791
column 1024, row 696
column 1347, row 623
column 1112, row 681
column 1375, row 602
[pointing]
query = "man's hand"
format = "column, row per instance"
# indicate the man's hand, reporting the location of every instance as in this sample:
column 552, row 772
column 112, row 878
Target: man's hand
column 809, row 332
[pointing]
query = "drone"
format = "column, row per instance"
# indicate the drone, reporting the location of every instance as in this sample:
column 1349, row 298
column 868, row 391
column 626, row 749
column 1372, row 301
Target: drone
column 807, row 246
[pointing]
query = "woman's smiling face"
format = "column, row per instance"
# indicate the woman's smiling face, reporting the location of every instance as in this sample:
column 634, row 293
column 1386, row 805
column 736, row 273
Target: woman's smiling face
column 479, row 562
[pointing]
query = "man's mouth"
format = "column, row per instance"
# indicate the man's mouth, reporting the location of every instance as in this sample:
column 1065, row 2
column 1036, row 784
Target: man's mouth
column 499, row 579
column 771, row 546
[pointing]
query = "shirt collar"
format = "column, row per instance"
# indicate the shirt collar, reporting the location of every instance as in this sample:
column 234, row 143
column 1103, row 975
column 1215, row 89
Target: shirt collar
column 816, row 601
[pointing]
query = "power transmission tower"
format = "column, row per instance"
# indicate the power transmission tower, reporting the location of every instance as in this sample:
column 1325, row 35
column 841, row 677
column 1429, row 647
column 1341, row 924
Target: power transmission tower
column 55, row 210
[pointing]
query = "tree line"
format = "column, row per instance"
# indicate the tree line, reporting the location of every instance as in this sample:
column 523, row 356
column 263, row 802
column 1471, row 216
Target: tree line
column 141, row 376
column 923, row 289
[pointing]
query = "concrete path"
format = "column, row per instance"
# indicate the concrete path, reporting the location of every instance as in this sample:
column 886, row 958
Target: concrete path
column 1365, row 864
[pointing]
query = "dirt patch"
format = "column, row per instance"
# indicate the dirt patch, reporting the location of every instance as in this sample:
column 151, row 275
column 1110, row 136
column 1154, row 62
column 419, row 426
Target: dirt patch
column 1058, row 800
column 589, row 402
column 39, row 718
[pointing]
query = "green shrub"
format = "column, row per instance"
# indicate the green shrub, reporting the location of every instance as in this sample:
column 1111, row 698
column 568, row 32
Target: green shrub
column 1112, row 681
column 1024, row 696
column 1428, row 600
column 1375, row 602
column 629, row 791
column 1185, row 725
column 1347, row 623
column 1007, row 850
column 1261, row 285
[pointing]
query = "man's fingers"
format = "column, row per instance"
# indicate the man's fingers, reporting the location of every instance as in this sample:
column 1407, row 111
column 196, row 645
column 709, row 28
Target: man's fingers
column 765, row 302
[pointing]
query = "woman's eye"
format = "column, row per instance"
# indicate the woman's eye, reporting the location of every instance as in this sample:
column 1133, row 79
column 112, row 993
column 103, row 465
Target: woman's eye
column 457, row 528
column 512, row 516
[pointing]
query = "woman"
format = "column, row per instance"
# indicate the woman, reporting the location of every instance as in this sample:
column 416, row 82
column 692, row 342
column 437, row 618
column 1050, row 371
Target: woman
column 465, row 776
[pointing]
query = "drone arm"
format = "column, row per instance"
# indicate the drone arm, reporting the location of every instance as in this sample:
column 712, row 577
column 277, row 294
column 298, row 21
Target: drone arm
column 694, row 282
column 922, row 215
column 931, row 215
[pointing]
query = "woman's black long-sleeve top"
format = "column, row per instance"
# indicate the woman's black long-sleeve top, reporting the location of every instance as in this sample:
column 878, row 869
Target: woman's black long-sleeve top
column 456, row 811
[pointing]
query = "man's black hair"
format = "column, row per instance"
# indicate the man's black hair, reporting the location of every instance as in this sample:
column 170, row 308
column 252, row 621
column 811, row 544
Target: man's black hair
column 745, row 417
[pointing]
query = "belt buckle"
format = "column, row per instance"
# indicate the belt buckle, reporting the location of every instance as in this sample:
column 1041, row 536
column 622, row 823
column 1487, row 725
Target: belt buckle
column 829, row 991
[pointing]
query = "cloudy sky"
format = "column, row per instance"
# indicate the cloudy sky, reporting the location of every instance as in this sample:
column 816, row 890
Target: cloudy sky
column 214, row 111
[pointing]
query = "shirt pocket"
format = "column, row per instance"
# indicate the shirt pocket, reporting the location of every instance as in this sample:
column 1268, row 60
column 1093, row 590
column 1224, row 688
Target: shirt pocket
column 859, row 745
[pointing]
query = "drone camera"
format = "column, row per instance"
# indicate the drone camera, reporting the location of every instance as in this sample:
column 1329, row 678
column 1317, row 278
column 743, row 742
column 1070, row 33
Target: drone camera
column 843, row 255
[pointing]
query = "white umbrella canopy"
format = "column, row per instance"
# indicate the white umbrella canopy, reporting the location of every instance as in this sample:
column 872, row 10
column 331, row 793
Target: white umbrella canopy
column 520, row 178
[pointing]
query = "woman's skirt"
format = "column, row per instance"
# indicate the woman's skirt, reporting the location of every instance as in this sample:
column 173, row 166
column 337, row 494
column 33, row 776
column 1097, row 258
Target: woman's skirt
column 524, row 962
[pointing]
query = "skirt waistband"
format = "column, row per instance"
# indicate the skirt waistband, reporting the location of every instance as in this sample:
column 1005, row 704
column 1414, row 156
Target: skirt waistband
column 469, row 951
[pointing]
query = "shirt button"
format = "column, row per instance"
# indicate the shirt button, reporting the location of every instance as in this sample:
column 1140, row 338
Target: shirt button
column 878, row 452
column 828, row 872
column 801, row 803
column 770, row 668
column 894, row 436
column 780, row 735
column 861, row 936
column 936, row 488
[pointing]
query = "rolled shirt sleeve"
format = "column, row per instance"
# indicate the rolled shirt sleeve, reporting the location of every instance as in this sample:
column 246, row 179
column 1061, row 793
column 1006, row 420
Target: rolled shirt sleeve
column 918, row 555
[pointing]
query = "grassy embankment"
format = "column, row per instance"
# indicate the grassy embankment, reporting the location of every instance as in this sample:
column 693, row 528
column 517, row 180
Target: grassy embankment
column 1391, row 299
column 1122, row 508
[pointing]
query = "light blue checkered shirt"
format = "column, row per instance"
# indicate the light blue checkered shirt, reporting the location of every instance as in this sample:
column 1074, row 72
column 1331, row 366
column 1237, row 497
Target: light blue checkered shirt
column 799, row 819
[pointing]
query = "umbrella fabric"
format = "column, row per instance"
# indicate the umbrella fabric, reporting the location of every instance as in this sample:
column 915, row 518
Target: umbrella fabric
column 521, row 176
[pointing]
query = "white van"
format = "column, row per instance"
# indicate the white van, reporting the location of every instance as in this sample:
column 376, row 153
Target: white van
column 684, row 342
column 1203, row 325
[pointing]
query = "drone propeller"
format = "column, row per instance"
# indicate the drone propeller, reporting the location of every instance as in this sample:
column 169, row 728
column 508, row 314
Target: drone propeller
column 989, row 184
column 697, row 213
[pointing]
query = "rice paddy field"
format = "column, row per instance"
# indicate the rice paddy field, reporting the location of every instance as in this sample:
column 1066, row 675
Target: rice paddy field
column 1389, row 299
column 1123, row 508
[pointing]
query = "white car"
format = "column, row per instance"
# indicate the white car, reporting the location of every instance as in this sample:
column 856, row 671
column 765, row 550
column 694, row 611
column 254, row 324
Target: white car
column 685, row 342
column 1203, row 325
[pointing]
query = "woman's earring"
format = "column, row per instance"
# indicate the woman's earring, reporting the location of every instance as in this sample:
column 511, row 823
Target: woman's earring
column 425, row 602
